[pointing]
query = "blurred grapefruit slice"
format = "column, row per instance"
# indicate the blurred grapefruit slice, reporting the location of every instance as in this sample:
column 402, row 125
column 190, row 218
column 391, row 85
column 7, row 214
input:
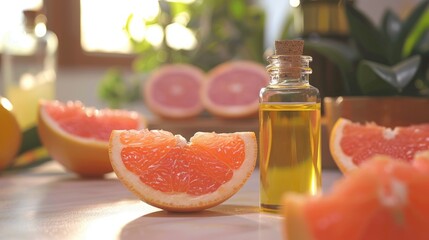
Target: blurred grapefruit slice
column 168, row 172
column 172, row 91
column 352, row 143
column 232, row 89
column 77, row 136
column 384, row 198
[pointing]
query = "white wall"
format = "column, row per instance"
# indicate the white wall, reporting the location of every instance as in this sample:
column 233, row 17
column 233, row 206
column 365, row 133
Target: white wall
column 375, row 8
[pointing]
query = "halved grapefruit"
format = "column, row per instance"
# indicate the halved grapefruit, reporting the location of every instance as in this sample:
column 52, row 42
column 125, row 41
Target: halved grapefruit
column 232, row 89
column 10, row 134
column 166, row 171
column 172, row 91
column 352, row 143
column 384, row 198
column 77, row 136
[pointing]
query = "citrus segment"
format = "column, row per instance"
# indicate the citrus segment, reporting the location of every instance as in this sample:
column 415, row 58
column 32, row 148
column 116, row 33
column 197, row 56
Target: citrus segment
column 168, row 172
column 383, row 199
column 232, row 89
column 172, row 91
column 10, row 134
column 77, row 136
column 352, row 143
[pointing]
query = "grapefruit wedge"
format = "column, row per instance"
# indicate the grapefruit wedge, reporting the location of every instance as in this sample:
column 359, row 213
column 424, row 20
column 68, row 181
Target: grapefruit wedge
column 384, row 198
column 232, row 89
column 77, row 136
column 172, row 91
column 353, row 143
column 166, row 171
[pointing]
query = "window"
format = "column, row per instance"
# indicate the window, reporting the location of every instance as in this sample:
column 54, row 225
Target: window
column 91, row 32
column 64, row 20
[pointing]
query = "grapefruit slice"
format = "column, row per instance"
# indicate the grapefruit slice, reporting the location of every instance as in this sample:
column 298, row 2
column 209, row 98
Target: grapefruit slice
column 172, row 91
column 383, row 199
column 232, row 89
column 10, row 134
column 77, row 137
column 352, row 143
column 166, row 171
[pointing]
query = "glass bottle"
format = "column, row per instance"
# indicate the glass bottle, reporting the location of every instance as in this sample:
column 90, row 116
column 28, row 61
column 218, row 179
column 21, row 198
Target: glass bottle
column 289, row 132
column 29, row 67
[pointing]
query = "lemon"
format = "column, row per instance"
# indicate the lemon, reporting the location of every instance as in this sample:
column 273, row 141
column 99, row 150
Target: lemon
column 10, row 134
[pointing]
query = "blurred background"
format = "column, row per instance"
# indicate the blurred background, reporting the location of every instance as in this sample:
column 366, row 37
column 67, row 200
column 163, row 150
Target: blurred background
column 125, row 39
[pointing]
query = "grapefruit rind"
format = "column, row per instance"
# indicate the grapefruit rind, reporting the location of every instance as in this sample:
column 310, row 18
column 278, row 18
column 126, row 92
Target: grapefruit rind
column 389, row 190
column 182, row 202
column 343, row 161
column 86, row 157
column 231, row 111
column 171, row 112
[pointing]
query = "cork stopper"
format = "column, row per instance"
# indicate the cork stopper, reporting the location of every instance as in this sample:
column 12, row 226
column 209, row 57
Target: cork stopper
column 289, row 47
column 292, row 50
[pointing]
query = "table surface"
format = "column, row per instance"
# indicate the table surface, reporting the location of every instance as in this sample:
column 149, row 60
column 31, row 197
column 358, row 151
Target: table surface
column 46, row 202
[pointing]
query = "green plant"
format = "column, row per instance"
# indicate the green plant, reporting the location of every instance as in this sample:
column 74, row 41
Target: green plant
column 224, row 29
column 382, row 61
column 116, row 90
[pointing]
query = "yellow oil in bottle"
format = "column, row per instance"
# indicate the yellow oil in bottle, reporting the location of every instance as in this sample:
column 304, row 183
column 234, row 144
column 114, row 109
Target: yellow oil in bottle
column 290, row 160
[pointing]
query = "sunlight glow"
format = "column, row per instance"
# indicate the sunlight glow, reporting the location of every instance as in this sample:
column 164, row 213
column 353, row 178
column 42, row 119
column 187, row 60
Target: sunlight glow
column 294, row 3
column 180, row 37
column 155, row 34
column 137, row 29
column 148, row 9
column 11, row 16
column 104, row 30
column 6, row 103
column 182, row 18
column 40, row 29
column 27, row 81
column 110, row 225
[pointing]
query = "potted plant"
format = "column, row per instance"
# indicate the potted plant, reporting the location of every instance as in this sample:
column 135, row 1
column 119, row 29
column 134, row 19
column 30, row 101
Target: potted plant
column 384, row 70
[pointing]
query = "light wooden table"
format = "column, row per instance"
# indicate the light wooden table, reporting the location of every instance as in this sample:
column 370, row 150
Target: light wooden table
column 47, row 203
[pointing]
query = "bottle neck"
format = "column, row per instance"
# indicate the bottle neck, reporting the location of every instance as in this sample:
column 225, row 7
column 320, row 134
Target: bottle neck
column 35, row 23
column 289, row 69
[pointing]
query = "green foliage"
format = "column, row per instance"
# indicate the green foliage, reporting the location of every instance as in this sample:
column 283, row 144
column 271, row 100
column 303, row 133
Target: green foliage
column 116, row 91
column 224, row 29
column 391, row 59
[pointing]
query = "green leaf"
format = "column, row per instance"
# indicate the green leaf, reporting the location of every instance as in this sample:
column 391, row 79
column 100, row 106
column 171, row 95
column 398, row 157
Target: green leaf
column 116, row 91
column 391, row 27
column 370, row 83
column 415, row 28
column 342, row 55
column 370, row 42
column 422, row 46
column 149, row 61
column 375, row 78
column 30, row 140
column 391, row 24
column 237, row 9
